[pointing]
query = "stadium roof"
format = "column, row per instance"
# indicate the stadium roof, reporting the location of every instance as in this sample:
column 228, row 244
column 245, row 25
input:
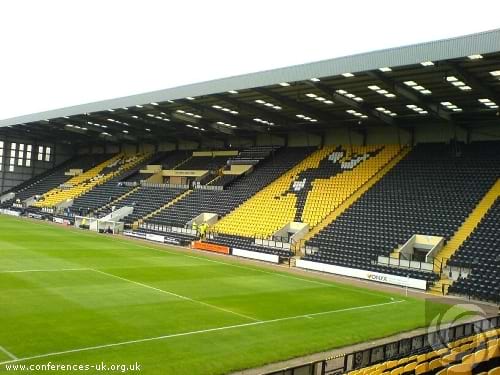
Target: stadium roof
column 453, row 81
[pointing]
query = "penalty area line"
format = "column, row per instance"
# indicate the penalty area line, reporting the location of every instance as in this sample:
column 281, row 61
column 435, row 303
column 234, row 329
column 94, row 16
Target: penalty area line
column 9, row 354
column 192, row 333
column 177, row 295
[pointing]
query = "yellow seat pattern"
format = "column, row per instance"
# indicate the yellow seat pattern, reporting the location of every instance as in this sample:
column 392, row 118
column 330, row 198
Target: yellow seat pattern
column 87, row 180
column 274, row 206
column 268, row 210
column 328, row 194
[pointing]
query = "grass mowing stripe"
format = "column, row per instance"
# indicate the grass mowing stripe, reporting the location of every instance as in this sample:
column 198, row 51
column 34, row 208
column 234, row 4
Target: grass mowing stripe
column 177, row 295
column 191, row 333
column 225, row 263
column 272, row 273
column 9, row 354
column 48, row 270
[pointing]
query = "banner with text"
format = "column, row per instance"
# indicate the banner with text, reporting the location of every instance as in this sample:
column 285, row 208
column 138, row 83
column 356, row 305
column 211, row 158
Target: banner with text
column 363, row 274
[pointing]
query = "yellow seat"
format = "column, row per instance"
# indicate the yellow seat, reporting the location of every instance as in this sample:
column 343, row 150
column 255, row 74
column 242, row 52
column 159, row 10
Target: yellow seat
column 435, row 364
column 391, row 364
column 469, row 358
column 480, row 356
column 431, row 355
column 382, row 366
column 442, row 352
column 402, row 361
column 422, row 368
column 421, row 358
column 449, row 358
column 410, row 367
column 397, row 371
column 460, row 369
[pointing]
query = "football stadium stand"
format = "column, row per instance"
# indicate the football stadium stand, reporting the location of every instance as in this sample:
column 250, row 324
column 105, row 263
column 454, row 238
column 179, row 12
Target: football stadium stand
column 99, row 196
column 430, row 192
column 382, row 167
column 144, row 200
column 222, row 202
column 342, row 169
column 359, row 202
column 203, row 162
column 103, row 194
column 309, row 191
column 85, row 181
column 57, row 176
column 473, row 354
column 480, row 252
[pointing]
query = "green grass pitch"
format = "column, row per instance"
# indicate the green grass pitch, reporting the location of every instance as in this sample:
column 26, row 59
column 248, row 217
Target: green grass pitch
column 73, row 297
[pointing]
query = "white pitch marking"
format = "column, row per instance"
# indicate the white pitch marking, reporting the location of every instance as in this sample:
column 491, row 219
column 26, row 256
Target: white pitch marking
column 224, row 328
column 9, row 354
column 177, row 295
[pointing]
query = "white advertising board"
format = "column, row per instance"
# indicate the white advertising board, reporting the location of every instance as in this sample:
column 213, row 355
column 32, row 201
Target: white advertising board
column 10, row 212
column 155, row 237
column 363, row 274
column 256, row 255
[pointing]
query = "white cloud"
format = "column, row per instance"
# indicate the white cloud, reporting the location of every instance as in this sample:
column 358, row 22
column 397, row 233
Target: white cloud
column 57, row 53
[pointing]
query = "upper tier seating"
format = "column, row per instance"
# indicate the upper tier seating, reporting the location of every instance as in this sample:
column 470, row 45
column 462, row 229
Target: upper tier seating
column 253, row 155
column 249, row 156
column 481, row 253
column 204, row 163
column 222, row 202
column 431, row 191
column 168, row 160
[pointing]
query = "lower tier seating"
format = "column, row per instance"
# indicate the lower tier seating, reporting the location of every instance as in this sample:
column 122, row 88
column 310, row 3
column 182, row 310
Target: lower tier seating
column 431, row 191
column 246, row 243
column 481, row 254
column 224, row 180
column 475, row 354
column 145, row 200
column 99, row 196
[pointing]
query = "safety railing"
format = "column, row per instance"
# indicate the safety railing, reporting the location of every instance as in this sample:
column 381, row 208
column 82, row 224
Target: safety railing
column 164, row 186
column 276, row 242
column 435, row 338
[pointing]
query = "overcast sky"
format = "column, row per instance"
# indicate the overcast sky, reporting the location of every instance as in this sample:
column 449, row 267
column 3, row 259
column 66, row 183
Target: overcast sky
column 57, row 53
